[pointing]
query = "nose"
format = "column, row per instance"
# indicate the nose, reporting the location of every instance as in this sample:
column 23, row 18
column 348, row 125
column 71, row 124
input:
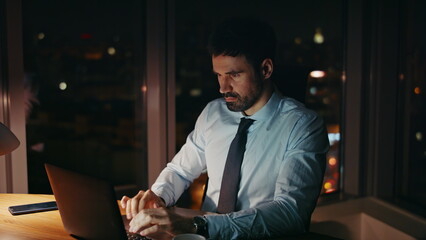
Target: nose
column 224, row 84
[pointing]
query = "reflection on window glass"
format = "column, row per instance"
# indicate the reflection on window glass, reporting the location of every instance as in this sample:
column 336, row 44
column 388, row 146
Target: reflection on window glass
column 411, row 181
column 84, row 75
column 308, row 66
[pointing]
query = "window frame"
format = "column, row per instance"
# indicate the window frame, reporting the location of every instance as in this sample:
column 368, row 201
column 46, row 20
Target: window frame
column 13, row 166
column 371, row 84
column 161, row 86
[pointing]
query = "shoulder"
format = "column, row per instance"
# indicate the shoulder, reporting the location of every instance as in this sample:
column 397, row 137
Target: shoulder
column 216, row 103
column 216, row 110
column 303, row 125
column 296, row 112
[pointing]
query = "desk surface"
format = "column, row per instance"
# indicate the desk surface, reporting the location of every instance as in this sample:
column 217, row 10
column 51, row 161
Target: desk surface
column 43, row 225
column 48, row 225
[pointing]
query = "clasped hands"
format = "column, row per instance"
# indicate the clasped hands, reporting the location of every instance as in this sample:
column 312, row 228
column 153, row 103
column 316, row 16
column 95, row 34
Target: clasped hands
column 149, row 215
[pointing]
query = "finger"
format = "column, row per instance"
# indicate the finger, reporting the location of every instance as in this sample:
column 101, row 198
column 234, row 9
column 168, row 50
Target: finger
column 150, row 230
column 140, row 222
column 134, row 207
column 129, row 209
column 147, row 218
column 130, row 205
column 144, row 200
column 155, row 213
column 139, row 204
column 123, row 201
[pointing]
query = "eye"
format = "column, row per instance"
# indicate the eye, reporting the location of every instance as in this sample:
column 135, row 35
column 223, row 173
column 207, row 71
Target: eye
column 235, row 75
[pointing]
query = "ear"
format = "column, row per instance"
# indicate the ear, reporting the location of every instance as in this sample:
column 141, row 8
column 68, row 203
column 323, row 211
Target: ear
column 267, row 68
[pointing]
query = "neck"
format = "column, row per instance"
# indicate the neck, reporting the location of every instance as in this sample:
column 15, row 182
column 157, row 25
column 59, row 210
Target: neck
column 264, row 98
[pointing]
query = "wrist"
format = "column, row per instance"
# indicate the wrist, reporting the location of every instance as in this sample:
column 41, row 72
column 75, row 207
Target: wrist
column 200, row 226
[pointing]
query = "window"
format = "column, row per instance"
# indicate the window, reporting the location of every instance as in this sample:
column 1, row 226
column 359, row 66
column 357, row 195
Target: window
column 84, row 65
column 308, row 67
column 411, row 179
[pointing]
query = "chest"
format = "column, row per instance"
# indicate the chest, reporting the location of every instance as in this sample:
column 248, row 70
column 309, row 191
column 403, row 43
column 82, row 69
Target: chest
column 265, row 149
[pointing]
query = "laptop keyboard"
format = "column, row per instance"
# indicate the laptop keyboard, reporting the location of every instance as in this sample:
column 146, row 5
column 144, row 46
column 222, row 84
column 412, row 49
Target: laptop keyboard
column 135, row 236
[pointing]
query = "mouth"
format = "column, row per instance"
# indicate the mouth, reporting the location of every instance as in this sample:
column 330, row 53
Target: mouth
column 230, row 99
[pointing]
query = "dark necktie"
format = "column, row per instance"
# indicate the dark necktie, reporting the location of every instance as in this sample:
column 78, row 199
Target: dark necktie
column 231, row 173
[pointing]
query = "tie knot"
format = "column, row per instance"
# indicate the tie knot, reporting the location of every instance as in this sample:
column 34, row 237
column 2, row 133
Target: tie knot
column 244, row 125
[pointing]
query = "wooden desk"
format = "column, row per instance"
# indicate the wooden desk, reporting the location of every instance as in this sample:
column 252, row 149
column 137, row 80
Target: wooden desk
column 48, row 225
column 43, row 225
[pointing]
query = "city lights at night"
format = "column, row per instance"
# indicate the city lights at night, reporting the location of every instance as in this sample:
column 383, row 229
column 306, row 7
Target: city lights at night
column 195, row 92
column 417, row 90
column 329, row 186
column 63, row 86
column 318, row 36
column 111, row 51
column 41, row 36
column 332, row 161
column 298, row 40
column 317, row 74
column 419, row 136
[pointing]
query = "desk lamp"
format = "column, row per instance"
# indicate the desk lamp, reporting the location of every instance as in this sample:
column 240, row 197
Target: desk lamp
column 8, row 143
column 8, row 140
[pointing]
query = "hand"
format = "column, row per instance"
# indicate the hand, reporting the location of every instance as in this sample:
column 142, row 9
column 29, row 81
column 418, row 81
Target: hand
column 161, row 220
column 141, row 201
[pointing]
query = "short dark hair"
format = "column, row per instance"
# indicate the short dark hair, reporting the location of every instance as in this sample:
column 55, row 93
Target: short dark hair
column 250, row 37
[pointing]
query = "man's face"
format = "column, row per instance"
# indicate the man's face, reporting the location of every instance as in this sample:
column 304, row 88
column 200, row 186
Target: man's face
column 239, row 83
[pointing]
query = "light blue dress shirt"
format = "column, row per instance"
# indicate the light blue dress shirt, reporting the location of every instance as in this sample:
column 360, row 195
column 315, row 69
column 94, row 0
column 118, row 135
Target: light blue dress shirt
column 281, row 173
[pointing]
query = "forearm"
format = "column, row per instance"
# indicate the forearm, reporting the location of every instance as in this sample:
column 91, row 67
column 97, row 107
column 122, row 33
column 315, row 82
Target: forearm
column 273, row 219
column 169, row 186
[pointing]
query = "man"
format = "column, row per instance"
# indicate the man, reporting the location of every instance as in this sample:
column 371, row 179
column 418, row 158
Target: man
column 279, row 180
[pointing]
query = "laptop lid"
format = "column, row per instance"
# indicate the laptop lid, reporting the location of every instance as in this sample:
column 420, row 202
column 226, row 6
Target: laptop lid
column 87, row 205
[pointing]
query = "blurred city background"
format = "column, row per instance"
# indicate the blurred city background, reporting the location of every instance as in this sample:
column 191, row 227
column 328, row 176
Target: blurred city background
column 85, row 65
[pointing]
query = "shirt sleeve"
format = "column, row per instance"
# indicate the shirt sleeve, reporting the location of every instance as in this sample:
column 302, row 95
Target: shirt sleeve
column 187, row 165
column 297, row 188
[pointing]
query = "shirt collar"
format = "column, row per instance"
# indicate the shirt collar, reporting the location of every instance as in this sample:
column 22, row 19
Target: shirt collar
column 267, row 110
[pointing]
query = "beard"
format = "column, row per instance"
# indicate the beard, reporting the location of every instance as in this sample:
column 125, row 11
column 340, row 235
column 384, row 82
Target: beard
column 245, row 102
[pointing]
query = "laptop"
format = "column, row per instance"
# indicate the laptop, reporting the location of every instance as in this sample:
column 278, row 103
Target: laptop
column 87, row 205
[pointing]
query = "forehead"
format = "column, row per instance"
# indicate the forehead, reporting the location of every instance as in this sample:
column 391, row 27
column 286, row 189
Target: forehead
column 223, row 64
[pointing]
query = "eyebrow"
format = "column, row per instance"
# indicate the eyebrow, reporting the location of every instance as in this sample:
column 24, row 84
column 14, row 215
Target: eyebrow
column 228, row 73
